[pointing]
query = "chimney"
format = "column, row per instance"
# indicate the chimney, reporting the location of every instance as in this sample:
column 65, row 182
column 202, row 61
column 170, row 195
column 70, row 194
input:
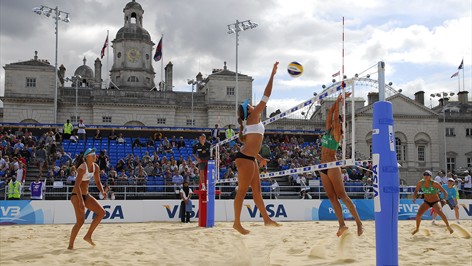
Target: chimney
column 372, row 97
column 463, row 97
column 419, row 97
column 445, row 101
column 168, row 70
column 441, row 102
column 35, row 55
column 98, row 73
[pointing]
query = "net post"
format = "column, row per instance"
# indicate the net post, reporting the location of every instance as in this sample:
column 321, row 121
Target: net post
column 385, row 179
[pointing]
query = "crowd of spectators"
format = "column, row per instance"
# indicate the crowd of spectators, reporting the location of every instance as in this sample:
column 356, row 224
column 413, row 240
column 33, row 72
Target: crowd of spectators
column 20, row 148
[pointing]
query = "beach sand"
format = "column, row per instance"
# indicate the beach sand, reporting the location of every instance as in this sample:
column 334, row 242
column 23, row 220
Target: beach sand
column 295, row 243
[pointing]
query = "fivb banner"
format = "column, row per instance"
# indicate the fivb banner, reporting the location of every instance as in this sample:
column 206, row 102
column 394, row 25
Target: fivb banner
column 124, row 211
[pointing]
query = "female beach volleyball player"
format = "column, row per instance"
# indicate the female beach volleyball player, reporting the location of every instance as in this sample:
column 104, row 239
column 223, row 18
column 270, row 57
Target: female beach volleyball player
column 331, row 178
column 431, row 199
column 248, row 167
column 81, row 199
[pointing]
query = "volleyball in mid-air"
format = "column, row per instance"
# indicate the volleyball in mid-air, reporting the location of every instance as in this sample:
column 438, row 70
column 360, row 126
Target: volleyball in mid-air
column 295, row 69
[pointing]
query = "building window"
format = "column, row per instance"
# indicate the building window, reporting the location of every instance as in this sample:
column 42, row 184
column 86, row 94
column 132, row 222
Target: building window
column 450, row 131
column 469, row 162
column 148, row 80
column 468, row 132
column 161, row 121
column 451, row 163
column 229, row 91
column 133, row 79
column 190, row 122
column 106, row 119
column 398, row 145
column 74, row 119
column 30, row 82
column 119, row 55
column 421, row 152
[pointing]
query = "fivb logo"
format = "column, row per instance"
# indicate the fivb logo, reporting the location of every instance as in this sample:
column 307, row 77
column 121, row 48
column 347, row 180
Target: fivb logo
column 172, row 211
column 270, row 208
column 10, row 211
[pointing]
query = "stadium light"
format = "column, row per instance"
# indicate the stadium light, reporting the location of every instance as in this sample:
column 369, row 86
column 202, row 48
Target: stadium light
column 47, row 11
column 236, row 28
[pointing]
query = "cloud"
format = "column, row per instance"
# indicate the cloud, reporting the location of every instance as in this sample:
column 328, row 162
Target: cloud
column 418, row 40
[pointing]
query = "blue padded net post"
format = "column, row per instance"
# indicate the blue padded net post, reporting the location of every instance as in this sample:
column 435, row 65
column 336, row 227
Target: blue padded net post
column 211, row 182
column 386, row 184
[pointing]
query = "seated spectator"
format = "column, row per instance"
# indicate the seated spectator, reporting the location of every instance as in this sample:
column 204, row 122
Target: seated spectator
column 112, row 173
column 120, row 165
column 177, row 181
column 120, row 139
column 71, row 177
column 112, row 135
column 97, row 135
column 181, row 143
column 102, row 160
column 173, row 142
column 150, row 143
column 74, row 137
column 137, row 143
column 160, row 149
column 122, row 176
column 61, row 176
column 345, row 176
column 146, row 158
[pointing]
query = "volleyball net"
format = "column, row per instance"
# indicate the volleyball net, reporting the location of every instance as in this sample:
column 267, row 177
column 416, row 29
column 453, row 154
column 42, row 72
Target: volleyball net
column 308, row 119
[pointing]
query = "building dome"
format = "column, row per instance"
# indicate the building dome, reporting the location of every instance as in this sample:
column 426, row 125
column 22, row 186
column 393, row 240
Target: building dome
column 133, row 32
column 134, row 5
column 84, row 71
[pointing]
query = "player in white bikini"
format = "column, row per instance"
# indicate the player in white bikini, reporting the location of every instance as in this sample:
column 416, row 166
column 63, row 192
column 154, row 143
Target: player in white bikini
column 248, row 167
column 81, row 199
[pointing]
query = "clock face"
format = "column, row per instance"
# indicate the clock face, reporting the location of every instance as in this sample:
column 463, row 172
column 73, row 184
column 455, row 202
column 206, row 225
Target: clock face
column 133, row 55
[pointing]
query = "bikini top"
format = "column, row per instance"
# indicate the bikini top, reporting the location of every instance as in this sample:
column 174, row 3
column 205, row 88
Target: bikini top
column 329, row 142
column 87, row 176
column 256, row 128
column 429, row 190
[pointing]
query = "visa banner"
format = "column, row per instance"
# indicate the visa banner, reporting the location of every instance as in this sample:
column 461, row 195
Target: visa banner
column 125, row 211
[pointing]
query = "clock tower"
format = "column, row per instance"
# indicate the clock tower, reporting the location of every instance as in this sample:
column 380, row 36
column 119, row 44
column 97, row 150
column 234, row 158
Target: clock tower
column 132, row 52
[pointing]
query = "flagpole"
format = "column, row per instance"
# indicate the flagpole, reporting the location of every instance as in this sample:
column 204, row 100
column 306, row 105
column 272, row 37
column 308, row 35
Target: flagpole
column 108, row 56
column 459, row 80
column 463, row 75
column 162, row 63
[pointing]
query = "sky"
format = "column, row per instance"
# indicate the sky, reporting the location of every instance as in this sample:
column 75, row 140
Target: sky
column 422, row 42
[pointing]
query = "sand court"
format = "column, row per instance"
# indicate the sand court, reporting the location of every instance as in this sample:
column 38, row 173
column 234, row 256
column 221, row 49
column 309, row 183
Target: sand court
column 295, row 243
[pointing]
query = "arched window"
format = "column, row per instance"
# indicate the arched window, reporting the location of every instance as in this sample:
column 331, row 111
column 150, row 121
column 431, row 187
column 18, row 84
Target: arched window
column 401, row 150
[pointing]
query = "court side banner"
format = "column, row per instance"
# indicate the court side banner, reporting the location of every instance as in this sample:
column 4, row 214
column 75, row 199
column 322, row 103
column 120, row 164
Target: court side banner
column 125, row 211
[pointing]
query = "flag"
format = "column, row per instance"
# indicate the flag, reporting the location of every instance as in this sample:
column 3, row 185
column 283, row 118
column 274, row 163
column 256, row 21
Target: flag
column 158, row 54
column 336, row 74
column 461, row 66
column 102, row 54
column 455, row 74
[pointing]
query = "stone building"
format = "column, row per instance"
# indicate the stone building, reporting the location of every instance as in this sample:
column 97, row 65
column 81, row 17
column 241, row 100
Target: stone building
column 130, row 96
